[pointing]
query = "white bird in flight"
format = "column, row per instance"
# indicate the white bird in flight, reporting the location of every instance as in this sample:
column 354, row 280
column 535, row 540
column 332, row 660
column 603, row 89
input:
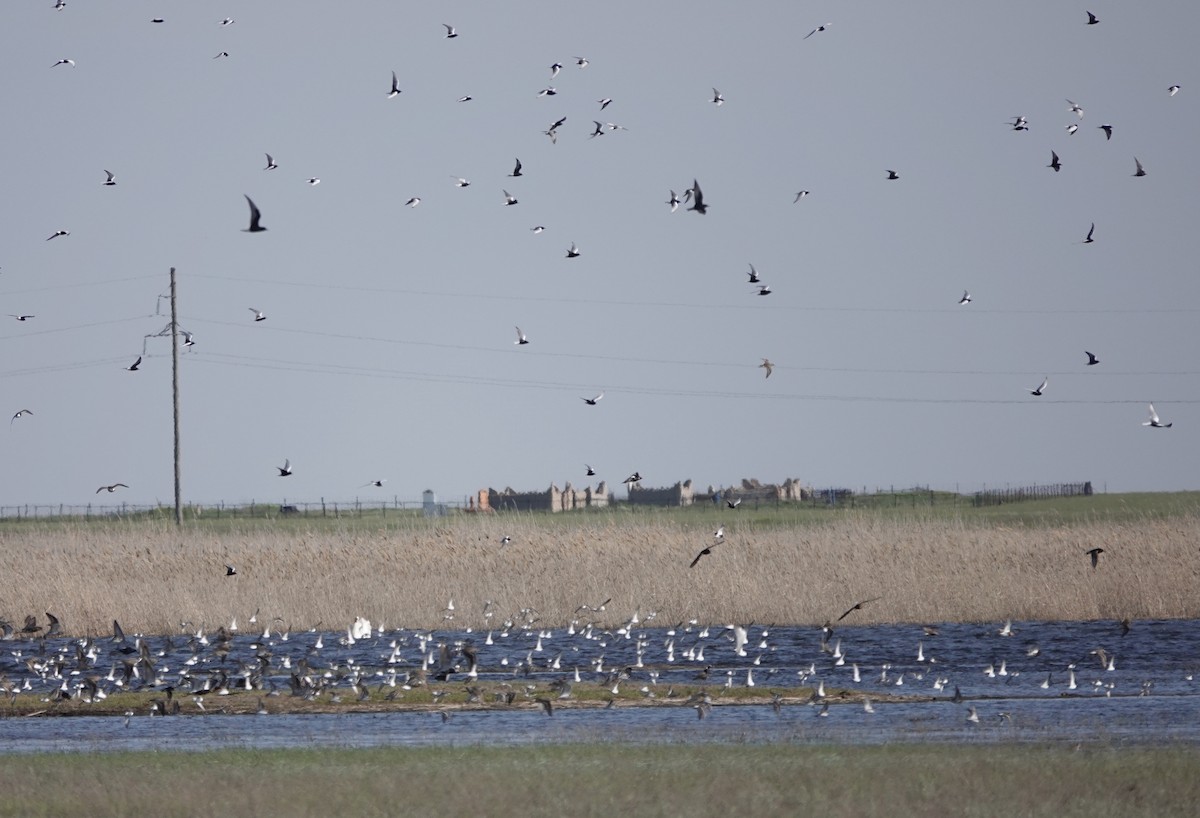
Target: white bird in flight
column 395, row 87
column 966, row 298
column 592, row 401
column 815, row 30
column 521, row 339
column 111, row 180
column 413, row 202
column 1154, row 421
column 64, row 61
column 1075, row 108
column 573, row 252
column 270, row 163
column 1042, row 388
column 450, row 32
column 259, row 315
column 717, row 98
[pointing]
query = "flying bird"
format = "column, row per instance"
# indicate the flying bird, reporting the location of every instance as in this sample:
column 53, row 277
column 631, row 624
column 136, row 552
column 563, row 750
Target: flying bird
column 450, row 32
column 413, row 202
column 590, row 471
column 800, row 196
column 966, row 298
column 110, row 489
column 892, row 175
column 1088, row 239
column 466, row 98
column 754, row 279
column 538, row 228
column 376, row 483
column 286, row 469
column 673, row 202
column 548, row 91
column 698, row 199
column 598, row 131
column 734, row 503
column 1092, row 19
column 1075, row 109
column 314, row 181
column 592, row 401
column 1107, row 131
column 395, row 92
column 255, row 218
column 20, row 414
column 1054, row 163
column 521, row 339
column 604, row 103
column 270, row 163
column 554, row 69
column 1020, row 123
column 636, row 477
column 573, row 252
column 460, row 182
column 1094, row 553
column 64, row 61
column 763, row 289
column 259, row 315
column 227, row 21
column 1040, row 389
column 111, row 180
column 704, row 552
column 1092, row 359
column 1071, row 129
column 58, row 233
column 1173, row 90
column 857, row 607
column 516, row 170
column 509, row 199
column 188, row 339
column 22, row 317
column 134, row 366
column 717, row 98
column 767, row 365
column 1140, row 170
column 1154, row 421
column 230, row 571
column 581, row 62
column 221, row 54
column 815, row 30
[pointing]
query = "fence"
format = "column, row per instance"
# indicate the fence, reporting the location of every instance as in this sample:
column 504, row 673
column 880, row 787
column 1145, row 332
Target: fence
column 995, row 497
column 251, row 509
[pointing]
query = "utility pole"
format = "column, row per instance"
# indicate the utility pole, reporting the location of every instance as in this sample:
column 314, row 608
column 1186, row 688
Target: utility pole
column 175, row 398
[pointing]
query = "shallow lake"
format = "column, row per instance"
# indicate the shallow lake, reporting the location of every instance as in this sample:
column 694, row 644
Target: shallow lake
column 1046, row 681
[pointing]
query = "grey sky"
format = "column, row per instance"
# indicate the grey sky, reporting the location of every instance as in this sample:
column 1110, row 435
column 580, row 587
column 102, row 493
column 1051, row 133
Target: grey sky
column 388, row 346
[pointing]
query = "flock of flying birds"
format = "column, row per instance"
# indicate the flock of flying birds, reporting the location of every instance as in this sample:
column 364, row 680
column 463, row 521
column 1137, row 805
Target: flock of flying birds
column 692, row 197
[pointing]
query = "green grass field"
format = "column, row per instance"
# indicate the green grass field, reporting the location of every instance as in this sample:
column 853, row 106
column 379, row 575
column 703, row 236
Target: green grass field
column 609, row 779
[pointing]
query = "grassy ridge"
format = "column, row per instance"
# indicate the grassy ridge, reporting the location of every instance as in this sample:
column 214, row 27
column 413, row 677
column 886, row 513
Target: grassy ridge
column 796, row 565
column 609, row 779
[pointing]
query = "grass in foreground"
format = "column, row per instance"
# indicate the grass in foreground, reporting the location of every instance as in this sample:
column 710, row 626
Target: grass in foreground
column 608, row 779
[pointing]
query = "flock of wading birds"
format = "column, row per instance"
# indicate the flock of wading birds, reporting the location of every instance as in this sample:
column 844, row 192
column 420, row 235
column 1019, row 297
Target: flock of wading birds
column 198, row 666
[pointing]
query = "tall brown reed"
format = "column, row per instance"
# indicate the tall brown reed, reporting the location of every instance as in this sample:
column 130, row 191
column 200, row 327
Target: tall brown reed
column 156, row 579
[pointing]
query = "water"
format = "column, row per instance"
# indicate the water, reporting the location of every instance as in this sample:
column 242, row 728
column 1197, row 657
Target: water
column 1019, row 686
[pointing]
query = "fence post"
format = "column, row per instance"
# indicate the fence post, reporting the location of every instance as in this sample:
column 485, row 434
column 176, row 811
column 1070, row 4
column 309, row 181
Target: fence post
column 322, row 506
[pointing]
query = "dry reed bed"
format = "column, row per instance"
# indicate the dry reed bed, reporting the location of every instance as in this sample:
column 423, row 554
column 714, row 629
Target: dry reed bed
column 154, row 578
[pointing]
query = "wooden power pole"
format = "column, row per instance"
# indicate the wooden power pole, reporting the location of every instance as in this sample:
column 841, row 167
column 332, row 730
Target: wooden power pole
column 175, row 398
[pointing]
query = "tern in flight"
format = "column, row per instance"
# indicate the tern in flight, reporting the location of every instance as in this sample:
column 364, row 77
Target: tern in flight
column 521, row 339
column 767, row 365
column 1088, row 239
column 1054, row 163
column 58, row 233
column 286, row 469
column 134, row 366
column 1140, row 170
column 1092, row 19
column 892, row 175
column 111, row 488
column 857, row 607
column 573, row 252
column 704, row 552
column 395, row 92
column 20, row 414
column 259, row 315
column 1154, row 421
column 1075, row 109
column 1040, row 389
column 966, row 298
column 111, row 180
column 270, row 163
column 516, row 170
column 450, row 32
column 592, row 401
column 815, row 30
column 255, row 218
column 1092, row 359
column 698, row 199
column 717, row 98
column 1094, row 553
column 1107, row 131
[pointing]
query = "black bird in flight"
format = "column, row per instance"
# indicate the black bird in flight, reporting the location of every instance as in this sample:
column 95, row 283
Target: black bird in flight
column 230, row 571
column 1054, row 163
column 134, row 366
column 1091, row 230
column 517, row 169
column 255, row 218
column 706, row 551
column 1092, row 359
column 1092, row 19
column 1095, row 555
column 892, row 175
column 1040, row 389
column 857, row 607
column 112, row 488
column 698, row 199
column 286, row 469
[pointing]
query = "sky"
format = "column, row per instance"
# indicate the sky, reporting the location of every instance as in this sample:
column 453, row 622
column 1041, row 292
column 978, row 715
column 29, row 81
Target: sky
column 387, row 351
